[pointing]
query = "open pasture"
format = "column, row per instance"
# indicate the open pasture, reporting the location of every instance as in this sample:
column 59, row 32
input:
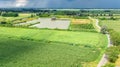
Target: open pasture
column 34, row 47
column 53, row 35
column 16, row 53
column 111, row 24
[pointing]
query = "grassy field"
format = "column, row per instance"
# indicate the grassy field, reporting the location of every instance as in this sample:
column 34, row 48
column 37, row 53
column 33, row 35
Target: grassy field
column 49, row 48
column 80, row 21
column 82, row 25
column 21, row 15
column 111, row 24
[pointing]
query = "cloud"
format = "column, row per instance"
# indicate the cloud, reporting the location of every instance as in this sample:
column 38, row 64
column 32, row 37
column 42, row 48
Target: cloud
column 60, row 3
column 21, row 3
column 38, row 3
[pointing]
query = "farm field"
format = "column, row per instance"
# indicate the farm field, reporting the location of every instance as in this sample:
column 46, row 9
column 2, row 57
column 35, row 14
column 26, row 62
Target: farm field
column 80, row 21
column 53, row 48
column 82, row 25
column 52, row 24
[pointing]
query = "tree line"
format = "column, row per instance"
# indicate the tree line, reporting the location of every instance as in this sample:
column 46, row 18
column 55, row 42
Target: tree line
column 9, row 14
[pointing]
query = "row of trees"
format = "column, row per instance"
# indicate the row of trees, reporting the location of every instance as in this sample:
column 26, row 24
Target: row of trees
column 9, row 14
column 113, row 51
column 115, row 37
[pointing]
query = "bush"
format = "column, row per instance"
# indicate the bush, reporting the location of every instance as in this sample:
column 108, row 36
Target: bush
column 3, row 22
column 104, row 29
column 9, row 14
column 115, row 37
column 109, row 65
column 112, row 53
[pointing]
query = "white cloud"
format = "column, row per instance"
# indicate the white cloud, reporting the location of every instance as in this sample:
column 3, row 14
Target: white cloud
column 21, row 3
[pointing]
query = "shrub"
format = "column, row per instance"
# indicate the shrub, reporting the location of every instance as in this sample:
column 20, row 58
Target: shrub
column 112, row 53
column 109, row 65
column 9, row 14
column 3, row 22
column 115, row 37
column 104, row 29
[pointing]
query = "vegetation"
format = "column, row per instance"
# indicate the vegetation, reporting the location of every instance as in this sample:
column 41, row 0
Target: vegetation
column 114, row 31
column 80, row 46
column 82, row 27
column 9, row 14
column 109, row 65
column 111, row 24
column 104, row 30
column 112, row 53
column 49, row 47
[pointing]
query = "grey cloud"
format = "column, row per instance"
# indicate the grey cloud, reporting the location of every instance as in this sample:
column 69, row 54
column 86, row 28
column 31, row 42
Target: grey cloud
column 65, row 3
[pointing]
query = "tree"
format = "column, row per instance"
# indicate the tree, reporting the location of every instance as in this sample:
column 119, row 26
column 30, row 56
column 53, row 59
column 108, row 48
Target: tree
column 104, row 29
column 9, row 14
column 112, row 53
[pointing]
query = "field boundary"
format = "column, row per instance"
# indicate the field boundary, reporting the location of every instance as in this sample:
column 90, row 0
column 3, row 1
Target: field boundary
column 95, row 24
column 104, row 59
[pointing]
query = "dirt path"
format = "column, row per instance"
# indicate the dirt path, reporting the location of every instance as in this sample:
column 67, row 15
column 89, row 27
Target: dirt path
column 96, row 24
column 103, row 60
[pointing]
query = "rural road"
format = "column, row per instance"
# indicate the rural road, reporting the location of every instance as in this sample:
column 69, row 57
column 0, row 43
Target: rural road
column 104, row 59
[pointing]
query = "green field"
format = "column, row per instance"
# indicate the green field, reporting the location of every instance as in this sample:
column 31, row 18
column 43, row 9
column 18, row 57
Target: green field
column 21, row 47
column 111, row 24
column 21, row 15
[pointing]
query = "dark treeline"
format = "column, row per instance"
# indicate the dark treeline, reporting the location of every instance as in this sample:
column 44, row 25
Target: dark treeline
column 79, row 12
column 9, row 14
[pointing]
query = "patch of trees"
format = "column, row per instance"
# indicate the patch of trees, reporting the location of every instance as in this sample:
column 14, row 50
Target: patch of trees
column 3, row 21
column 104, row 29
column 115, row 37
column 9, row 14
column 109, row 65
column 43, row 14
column 114, row 51
column 108, row 18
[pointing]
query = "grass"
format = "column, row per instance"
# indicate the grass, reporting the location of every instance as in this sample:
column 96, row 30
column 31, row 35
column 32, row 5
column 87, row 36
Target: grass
column 80, row 21
column 34, row 54
column 21, row 15
column 118, row 62
column 82, row 25
column 111, row 24
column 49, row 48
column 115, row 25
column 53, row 35
column 24, row 14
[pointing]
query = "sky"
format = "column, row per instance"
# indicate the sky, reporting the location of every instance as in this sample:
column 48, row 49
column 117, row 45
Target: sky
column 59, row 3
